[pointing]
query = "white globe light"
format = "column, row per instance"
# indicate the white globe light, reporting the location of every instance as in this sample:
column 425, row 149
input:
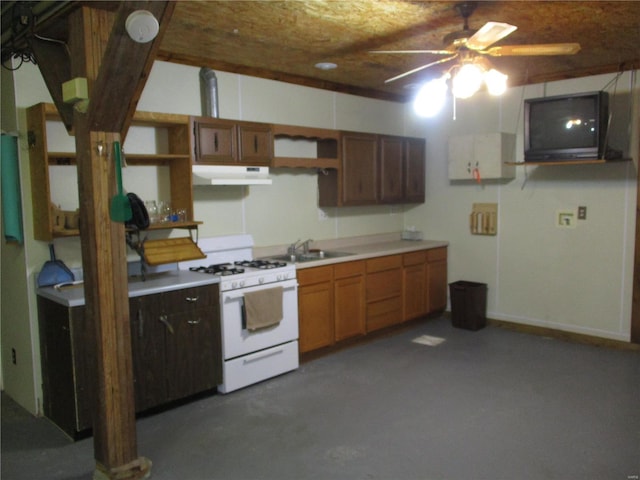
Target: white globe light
column 430, row 98
column 467, row 81
column 496, row 82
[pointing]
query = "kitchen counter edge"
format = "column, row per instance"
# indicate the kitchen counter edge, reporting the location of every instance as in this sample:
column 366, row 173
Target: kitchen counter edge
column 157, row 283
column 372, row 250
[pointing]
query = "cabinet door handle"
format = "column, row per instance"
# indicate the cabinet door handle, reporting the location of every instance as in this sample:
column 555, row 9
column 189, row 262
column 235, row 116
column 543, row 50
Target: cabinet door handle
column 163, row 319
column 255, row 144
column 194, row 322
column 215, row 141
column 191, row 299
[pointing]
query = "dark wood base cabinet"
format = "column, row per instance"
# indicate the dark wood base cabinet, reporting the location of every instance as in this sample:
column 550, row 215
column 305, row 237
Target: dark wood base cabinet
column 175, row 339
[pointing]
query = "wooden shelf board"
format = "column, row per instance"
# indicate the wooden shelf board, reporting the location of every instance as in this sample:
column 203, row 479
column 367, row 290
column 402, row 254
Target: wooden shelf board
column 294, row 162
column 69, row 158
column 293, row 131
column 167, row 225
column 65, row 233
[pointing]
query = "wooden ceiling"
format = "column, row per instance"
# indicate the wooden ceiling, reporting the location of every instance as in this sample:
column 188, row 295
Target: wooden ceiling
column 283, row 40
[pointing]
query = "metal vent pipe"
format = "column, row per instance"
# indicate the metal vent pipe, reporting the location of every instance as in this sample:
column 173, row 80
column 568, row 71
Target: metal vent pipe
column 209, row 92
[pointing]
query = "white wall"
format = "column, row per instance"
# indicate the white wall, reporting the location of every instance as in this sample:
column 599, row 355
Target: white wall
column 577, row 280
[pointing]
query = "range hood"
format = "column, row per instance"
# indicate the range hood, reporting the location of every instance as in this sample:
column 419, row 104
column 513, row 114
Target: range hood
column 230, row 175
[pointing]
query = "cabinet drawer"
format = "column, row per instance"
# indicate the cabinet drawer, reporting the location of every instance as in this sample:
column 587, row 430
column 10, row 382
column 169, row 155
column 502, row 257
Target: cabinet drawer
column 437, row 254
column 348, row 269
column 383, row 285
column 197, row 297
column 414, row 258
column 384, row 313
column 384, row 263
column 247, row 370
column 309, row 276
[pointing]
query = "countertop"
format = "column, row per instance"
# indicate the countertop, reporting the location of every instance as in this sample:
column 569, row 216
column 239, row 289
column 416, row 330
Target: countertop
column 360, row 248
column 73, row 296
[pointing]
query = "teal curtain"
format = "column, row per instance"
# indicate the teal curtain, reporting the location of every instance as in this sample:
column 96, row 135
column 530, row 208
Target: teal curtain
column 11, row 198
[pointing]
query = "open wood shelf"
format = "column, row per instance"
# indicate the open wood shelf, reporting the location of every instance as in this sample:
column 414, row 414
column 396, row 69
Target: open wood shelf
column 327, row 147
column 291, row 162
column 178, row 160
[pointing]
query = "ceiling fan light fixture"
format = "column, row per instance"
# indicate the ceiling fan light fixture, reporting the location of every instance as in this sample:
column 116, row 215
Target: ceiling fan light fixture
column 467, row 80
column 326, row 65
column 496, row 82
column 431, row 97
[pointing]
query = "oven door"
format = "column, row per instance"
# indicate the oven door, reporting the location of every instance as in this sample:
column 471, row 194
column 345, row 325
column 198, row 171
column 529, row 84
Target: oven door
column 237, row 340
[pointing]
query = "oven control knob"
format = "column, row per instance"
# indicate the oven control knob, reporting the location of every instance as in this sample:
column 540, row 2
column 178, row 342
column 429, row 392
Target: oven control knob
column 241, row 283
column 261, row 280
column 234, row 284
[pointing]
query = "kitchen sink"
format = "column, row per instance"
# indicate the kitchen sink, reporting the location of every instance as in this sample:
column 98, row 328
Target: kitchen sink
column 311, row 256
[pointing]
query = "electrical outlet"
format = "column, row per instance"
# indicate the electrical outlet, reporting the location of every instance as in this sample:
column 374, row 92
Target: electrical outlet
column 322, row 215
column 582, row 213
column 13, row 356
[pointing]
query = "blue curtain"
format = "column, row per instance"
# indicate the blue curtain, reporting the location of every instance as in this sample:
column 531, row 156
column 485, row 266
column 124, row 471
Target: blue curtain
column 11, row 198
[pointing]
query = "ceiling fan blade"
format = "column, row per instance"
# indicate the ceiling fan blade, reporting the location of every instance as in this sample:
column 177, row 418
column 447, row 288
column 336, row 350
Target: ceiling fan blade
column 393, row 79
column 434, row 52
column 539, row 49
column 489, row 34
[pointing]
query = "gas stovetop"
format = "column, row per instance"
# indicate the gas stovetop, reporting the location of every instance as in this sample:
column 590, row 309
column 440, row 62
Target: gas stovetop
column 239, row 267
column 222, row 254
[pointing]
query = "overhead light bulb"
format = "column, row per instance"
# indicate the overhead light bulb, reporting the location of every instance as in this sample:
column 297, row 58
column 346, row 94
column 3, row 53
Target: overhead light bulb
column 467, row 81
column 431, row 97
column 496, row 82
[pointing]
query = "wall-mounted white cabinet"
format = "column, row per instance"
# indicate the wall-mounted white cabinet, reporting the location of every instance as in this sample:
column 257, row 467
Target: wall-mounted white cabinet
column 482, row 156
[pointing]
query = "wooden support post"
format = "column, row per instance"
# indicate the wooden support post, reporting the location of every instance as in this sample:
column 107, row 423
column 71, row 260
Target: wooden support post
column 116, row 69
column 106, row 298
column 104, row 264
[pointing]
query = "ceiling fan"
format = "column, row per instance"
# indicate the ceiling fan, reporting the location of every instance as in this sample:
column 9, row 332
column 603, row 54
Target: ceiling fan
column 468, row 45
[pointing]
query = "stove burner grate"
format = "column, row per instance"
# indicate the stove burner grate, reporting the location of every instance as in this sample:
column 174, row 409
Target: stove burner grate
column 261, row 264
column 222, row 269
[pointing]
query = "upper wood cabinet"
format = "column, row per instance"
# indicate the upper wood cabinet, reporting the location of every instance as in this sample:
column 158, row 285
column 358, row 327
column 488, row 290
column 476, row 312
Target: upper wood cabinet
column 226, row 142
column 359, row 169
column 375, row 170
column 483, row 156
column 391, row 169
column 414, row 169
column 175, row 155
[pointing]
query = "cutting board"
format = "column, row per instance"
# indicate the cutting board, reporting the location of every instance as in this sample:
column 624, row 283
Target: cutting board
column 170, row 250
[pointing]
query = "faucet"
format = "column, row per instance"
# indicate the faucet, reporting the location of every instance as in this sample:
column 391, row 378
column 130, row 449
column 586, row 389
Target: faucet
column 293, row 248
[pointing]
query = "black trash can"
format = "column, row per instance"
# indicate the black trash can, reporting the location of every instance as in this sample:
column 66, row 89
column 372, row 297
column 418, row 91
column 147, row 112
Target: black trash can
column 468, row 304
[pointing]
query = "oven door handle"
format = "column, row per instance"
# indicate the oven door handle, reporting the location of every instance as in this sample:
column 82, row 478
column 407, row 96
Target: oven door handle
column 240, row 295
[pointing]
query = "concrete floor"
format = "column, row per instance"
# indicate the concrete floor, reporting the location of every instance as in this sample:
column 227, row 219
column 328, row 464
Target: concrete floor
column 492, row 404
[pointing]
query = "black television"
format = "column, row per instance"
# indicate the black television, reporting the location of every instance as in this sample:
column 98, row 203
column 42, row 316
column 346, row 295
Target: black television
column 566, row 127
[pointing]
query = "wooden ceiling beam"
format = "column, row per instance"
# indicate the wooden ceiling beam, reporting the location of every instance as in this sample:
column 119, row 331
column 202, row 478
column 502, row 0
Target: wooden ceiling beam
column 53, row 58
column 124, row 65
